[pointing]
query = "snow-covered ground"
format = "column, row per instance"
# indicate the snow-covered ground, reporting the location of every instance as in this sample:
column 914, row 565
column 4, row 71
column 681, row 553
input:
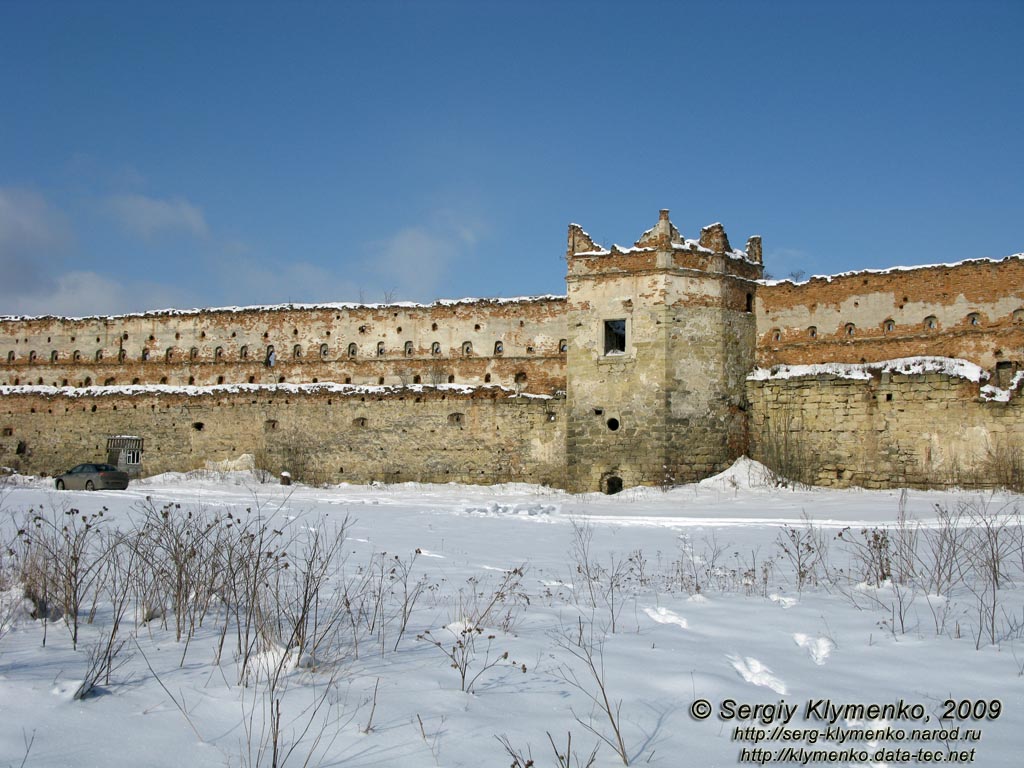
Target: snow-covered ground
column 730, row 592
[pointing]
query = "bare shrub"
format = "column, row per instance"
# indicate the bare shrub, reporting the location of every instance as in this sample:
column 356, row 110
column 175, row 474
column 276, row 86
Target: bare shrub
column 66, row 555
column 805, row 549
column 786, row 451
column 1003, row 465
column 587, row 652
column 306, row 616
column 992, row 538
column 465, row 640
column 565, row 757
column 871, row 553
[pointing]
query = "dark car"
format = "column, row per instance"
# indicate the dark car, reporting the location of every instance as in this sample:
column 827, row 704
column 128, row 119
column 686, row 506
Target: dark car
column 91, row 477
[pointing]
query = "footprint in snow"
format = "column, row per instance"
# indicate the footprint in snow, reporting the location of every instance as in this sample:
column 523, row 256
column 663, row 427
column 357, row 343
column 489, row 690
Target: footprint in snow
column 753, row 671
column 665, row 616
column 820, row 648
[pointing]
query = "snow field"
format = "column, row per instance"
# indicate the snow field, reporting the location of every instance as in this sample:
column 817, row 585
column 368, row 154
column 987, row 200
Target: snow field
column 696, row 582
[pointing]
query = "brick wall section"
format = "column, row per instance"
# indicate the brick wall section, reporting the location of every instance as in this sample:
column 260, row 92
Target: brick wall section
column 207, row 347
column 977, row 306
column 929, row 430
column 410, row 434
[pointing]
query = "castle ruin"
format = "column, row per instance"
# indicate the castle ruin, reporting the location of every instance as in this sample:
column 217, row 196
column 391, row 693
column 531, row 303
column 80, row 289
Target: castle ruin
column 663, row 363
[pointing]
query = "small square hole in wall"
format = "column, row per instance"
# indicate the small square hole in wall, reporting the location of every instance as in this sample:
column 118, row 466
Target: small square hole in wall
column 888, row 397
column 599, row 411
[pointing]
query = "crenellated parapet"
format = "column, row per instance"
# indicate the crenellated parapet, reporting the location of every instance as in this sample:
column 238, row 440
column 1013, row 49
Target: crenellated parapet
column 664, row 246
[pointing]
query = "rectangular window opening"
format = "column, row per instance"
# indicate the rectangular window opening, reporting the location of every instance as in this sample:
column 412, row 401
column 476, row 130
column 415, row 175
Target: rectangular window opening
column 615, row 337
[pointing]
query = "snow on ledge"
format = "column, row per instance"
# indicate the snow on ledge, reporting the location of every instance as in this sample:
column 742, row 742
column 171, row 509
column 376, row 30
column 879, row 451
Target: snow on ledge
column 994, row 394
column 951, row 366
column 286, row 388
column 891, row 270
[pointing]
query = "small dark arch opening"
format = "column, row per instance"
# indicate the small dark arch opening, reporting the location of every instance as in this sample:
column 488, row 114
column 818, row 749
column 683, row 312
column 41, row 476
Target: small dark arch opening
column 359, row 422
column 750, row 308
column 487, row 378
column 612, row 485
column 22, row 448
column 198, row 426
column 416, row 380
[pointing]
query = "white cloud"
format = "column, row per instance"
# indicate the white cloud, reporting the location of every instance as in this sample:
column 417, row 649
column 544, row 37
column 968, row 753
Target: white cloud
column 150, row 216
column 77, row 294
column 33, row 239
column 28, row 221
column 417, row 261
column 249, row 282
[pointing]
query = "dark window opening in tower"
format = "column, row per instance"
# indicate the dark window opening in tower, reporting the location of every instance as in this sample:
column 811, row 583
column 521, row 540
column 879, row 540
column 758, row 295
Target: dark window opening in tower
column 614, row 337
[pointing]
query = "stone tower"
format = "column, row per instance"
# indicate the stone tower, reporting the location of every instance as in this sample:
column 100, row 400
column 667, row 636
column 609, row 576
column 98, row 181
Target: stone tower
column 661, row 338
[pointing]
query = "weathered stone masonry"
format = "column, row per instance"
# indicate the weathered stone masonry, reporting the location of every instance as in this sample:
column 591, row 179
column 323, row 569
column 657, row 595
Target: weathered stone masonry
column 640, row 375
column 327, row 433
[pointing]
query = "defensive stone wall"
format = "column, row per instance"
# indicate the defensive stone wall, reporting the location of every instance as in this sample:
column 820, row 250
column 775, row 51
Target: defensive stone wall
column 319, row 433
column 889, row 429
column 973, row 310
column 513, row 342
column 639, row 375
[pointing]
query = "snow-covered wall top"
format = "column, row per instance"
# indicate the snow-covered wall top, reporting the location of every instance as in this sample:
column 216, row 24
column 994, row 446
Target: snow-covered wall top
column 890, row 270
column 230, row 389
column 961, row 369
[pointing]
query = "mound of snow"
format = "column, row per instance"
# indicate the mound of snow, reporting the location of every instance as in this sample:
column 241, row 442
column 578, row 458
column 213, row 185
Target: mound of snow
column 744, row 473
column 244, row 463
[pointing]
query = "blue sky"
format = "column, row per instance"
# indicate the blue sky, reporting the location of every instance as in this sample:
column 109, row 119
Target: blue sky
column 197, row 154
